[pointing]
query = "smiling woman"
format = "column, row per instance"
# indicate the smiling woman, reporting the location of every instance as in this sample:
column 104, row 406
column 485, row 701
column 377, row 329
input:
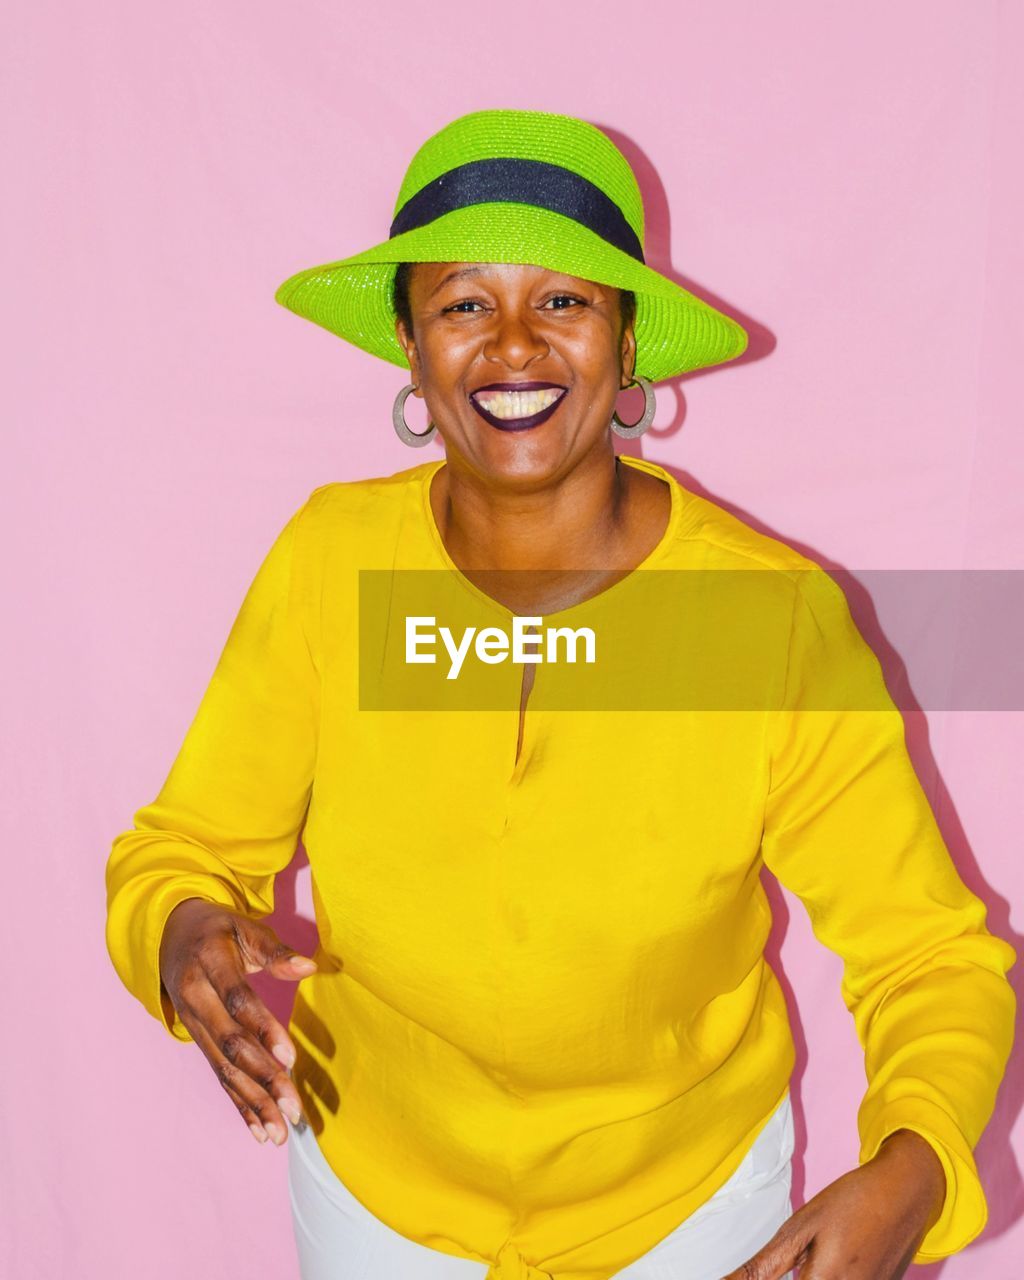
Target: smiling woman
column 500, row 351
column 465, row 294
column 515, row 405
column 541, row 1039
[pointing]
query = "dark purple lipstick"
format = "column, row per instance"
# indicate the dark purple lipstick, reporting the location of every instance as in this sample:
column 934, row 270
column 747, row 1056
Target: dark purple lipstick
column 518, row 424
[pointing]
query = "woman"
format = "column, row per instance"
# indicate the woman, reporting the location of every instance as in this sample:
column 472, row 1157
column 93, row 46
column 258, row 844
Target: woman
column 539, row 1037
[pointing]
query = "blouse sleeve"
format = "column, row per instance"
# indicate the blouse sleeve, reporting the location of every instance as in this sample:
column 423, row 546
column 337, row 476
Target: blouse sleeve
column 849, row 830
column 228, row 817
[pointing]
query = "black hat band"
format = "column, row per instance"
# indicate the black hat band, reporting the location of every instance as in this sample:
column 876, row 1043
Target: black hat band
column 536, row 182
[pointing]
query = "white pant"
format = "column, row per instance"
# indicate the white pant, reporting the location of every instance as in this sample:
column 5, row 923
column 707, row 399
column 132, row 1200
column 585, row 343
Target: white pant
column 339, row 1239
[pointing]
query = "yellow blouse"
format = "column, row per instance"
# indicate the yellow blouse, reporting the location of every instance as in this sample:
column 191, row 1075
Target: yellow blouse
column 543, row 1030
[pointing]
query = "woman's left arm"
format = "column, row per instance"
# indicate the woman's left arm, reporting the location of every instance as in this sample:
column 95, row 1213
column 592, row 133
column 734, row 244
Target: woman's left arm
column 850, row 831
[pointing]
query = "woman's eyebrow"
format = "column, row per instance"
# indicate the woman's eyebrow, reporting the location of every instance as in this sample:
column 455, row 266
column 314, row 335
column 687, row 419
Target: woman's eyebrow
column 455, row 275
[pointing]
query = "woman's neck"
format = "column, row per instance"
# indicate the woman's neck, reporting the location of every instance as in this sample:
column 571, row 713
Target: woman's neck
column 549, row 548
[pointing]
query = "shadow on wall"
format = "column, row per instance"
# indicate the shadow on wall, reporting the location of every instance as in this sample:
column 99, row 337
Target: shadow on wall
column 658, row 253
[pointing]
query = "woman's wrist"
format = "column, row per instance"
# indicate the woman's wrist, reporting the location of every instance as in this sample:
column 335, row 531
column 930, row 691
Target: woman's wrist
column 924, row 1170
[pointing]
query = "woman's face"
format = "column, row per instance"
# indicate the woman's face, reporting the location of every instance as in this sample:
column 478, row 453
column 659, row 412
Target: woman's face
column 519, row 366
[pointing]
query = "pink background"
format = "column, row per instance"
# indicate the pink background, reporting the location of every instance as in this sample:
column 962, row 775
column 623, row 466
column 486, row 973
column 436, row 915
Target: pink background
column 845, row 181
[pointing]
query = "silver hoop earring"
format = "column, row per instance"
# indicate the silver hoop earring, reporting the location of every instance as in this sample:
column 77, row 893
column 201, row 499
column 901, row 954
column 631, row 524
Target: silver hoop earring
column 413, row 438
column 630, row 432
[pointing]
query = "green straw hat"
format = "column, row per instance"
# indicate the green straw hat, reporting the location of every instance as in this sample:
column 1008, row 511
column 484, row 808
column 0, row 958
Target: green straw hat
column 527, row 187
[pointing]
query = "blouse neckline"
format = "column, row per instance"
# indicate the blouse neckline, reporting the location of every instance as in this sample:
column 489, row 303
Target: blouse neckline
column 656, row 553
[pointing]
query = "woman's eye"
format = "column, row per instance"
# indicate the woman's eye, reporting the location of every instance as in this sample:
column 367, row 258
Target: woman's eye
column 558, row 302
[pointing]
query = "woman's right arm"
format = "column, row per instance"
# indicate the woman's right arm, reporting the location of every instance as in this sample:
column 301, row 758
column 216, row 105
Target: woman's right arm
column 189, row 883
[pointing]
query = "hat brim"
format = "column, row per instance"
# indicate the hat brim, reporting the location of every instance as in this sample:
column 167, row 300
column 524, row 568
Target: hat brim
column 675, row 330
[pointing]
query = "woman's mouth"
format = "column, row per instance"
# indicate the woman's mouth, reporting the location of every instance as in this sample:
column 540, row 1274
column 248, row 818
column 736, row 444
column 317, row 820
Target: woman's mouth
column 517, row 406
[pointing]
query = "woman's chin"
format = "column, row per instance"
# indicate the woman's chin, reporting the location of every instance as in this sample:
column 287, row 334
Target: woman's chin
column 528, row 456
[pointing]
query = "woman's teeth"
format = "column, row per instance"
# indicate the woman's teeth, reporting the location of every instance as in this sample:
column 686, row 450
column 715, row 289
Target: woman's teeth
column 517, row 404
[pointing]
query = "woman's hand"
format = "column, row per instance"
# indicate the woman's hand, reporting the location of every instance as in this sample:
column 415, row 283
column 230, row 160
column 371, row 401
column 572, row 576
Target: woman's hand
column 205, row 953
column 867, row 1225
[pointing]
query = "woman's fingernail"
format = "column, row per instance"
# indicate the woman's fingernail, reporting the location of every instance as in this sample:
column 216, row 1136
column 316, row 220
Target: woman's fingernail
column 291, row 1109
column 275, row 1132
column 284, row 1055
column 258, row 1132
column 303, row 963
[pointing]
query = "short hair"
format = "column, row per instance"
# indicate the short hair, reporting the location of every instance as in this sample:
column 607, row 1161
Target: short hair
column 400, row 299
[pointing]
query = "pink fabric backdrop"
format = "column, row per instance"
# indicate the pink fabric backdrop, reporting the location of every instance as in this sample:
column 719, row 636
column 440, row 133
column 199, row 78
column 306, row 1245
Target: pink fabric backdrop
column 845, row 181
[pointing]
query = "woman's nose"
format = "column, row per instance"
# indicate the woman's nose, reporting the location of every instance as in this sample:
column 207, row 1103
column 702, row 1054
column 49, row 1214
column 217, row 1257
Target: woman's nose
column 515, row 340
